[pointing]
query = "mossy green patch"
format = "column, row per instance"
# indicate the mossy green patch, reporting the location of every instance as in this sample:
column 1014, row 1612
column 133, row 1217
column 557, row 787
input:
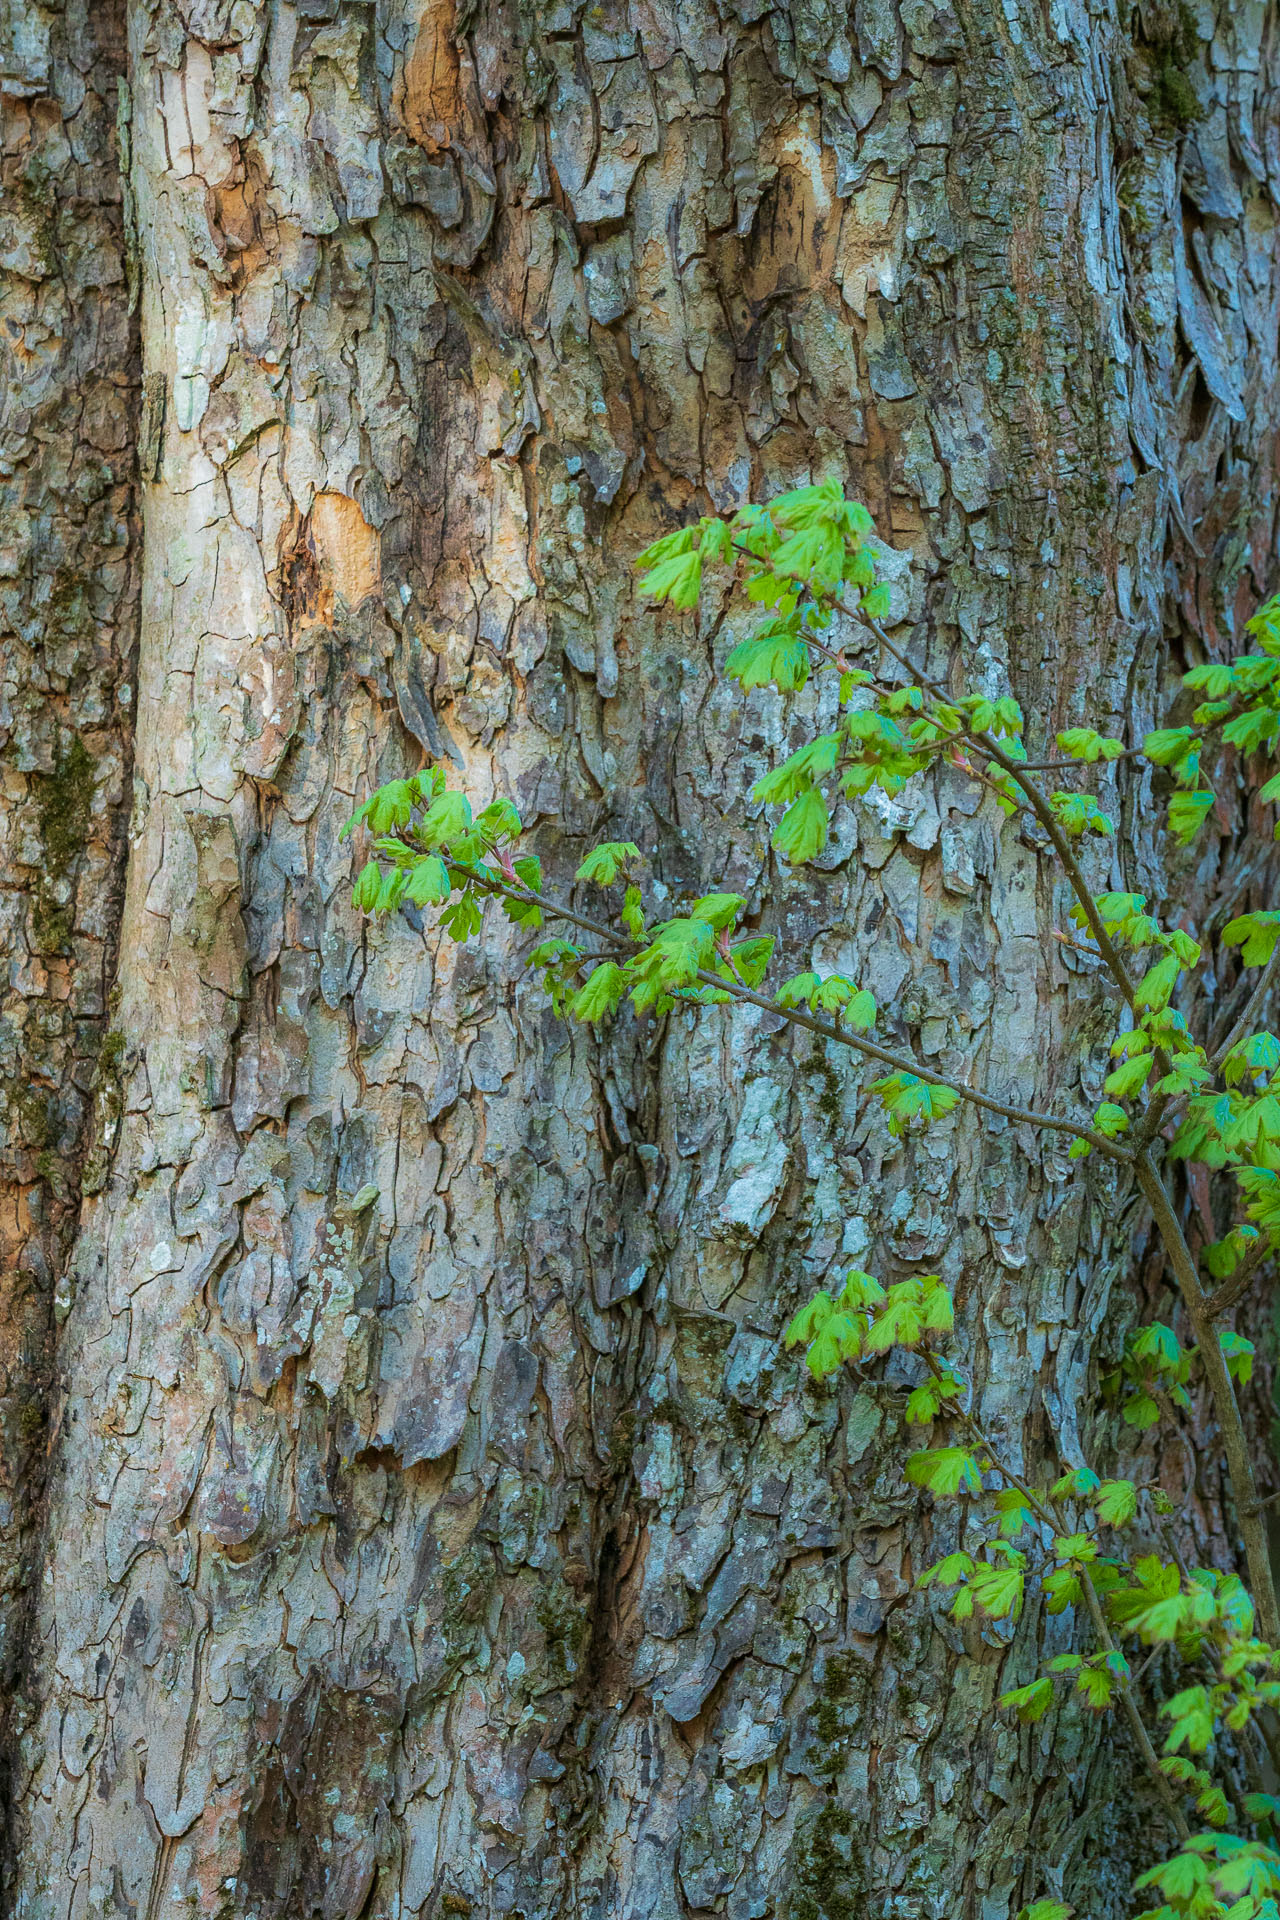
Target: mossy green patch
column 1173, row 43
column 835, row 1712
column 826, row 1863
column 64, row 801
column 566, row 1623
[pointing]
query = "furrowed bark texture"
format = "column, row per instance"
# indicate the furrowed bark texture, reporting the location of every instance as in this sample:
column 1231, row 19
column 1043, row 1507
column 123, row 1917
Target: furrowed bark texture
column 436, row 1527
column 68, row 619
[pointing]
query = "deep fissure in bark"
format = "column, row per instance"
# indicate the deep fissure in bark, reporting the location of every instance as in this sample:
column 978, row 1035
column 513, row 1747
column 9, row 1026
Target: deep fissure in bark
column 69, row 372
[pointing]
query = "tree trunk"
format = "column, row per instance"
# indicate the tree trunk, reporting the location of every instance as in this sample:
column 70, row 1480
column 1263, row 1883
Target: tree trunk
column 68, row 629
column 434, row 1526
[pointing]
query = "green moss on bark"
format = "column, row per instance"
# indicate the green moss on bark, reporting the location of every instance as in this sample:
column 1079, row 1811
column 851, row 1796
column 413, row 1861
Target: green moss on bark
column 64, row 801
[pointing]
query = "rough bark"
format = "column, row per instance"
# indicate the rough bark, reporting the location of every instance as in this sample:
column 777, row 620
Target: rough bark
column 68, row 617
column 435, row 1527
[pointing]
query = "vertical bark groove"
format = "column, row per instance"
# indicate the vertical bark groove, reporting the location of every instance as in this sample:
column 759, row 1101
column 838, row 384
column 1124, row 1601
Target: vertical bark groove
column 68, row 629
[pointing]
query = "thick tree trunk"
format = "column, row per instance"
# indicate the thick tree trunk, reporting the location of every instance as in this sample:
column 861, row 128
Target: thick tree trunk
column 68, row 628
column 433, row 1525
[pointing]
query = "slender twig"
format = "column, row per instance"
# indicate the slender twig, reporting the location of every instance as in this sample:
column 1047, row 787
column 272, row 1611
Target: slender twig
column 1070, row 865
column 1039, row 804
column 1212, row 1658
column 903, row 1064
column 1165, row 1219
column 1056, row 1524
column 1038, row 801
column 1132, row 1715
column 1252, row 1008
column 1167, row 1224
column 826, row 1029
column 1080, row 766
column 1226, row 1406
column 1237, row 1286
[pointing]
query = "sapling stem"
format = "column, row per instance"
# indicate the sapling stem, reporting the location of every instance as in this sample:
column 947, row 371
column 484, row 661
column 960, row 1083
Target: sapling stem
column 1226, row 1406
column 1057, row 1525
column 795, row 1016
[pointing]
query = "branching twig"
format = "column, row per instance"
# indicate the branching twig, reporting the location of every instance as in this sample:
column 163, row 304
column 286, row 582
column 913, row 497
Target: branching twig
column 901, row 1063
column 1056, row 1524
column 1237, row 1286
column 1230, row 1424
column 1252, row 1008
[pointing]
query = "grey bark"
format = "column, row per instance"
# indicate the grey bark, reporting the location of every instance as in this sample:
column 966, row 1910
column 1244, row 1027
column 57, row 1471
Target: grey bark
column 68, row 628
column 434, row 1526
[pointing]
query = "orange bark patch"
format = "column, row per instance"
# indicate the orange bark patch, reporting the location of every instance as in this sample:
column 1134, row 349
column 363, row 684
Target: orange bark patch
column 432, row 105
column 348, row 549
column 242, row 222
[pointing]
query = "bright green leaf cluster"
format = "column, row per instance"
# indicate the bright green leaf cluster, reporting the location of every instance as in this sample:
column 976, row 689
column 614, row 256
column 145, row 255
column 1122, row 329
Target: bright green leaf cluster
column 1216, row 1874
column 908, row 1100
column 865, row 1318
column 1082, row 743
column 830, row 994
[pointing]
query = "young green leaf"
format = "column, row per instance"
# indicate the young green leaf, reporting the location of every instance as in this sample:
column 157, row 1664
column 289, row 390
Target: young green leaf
column 1187, row 814
column 719, row 910
column 949, row 1571
column 776, row 656
column 604, row 863
column 429, row 882
column 368, row 883
column 1256, row 934
column 860, row 1290
column 447, row 818
column 1157, row 984
column 601, row 993
column 906, row 1099
column 500, row 821
column 944, row 1470
column 1129, row 1077
column 801, row 834
column 751, row 959
column 1080, row 813
column 676, row 577
column 1082, row 743
column 810, row 1320
column 999, row 1590
column 1096, row 1684
column 1117, row 1502
column 1031, row 1703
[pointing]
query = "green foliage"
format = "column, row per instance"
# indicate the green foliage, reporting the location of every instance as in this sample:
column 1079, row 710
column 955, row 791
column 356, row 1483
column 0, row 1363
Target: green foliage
column 802, row 570
column 1082, row 743
column 832, row 995
column 801, row 834
column 906, row 1098
column 1216, row 1874
column 1255, row 934
column 944, row 1470
column 604, row 863
column 1080, row 813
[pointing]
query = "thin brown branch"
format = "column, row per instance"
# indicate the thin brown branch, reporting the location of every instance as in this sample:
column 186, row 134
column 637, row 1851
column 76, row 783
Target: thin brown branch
column 1234, row 1289
column 1226, row 1407
column 1055, row 1522
column 1253, row 1007
column 900, row 1063
column 904, row 1064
